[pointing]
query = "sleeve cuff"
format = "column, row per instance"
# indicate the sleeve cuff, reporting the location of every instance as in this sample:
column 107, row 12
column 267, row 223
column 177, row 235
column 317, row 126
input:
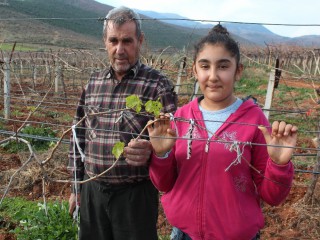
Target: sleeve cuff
column 163, row 157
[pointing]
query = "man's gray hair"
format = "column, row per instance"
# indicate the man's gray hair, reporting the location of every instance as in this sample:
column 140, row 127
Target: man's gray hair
column 121, row 15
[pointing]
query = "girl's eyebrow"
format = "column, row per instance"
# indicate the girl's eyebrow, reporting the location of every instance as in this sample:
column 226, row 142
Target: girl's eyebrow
column 203, row 60
column 223, row 60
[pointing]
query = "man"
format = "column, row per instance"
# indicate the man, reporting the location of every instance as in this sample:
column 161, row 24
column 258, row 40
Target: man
column 122, row 204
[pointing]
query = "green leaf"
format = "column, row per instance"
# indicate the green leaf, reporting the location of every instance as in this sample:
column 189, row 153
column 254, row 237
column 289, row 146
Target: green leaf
column 153, row 107
column 134, row 102
column 117, row 149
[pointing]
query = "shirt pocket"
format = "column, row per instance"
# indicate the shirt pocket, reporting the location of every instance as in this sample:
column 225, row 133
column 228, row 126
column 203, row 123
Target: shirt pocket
column 92, row 122
column 131, row 125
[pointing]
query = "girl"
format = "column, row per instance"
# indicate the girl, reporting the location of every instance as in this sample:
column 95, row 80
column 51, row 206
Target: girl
column 212, row 163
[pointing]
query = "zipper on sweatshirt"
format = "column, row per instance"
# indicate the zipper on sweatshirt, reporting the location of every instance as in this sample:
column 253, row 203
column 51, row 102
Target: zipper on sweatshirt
column 200, row 213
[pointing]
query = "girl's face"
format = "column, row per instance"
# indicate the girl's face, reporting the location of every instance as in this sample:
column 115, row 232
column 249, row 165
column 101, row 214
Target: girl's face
column 216, row 71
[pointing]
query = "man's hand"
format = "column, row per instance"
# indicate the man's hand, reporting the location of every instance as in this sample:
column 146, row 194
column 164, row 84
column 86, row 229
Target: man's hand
column 72, row 203
column 138, row 152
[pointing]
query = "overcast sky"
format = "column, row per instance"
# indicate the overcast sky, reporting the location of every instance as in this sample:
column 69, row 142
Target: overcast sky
column 256, row 11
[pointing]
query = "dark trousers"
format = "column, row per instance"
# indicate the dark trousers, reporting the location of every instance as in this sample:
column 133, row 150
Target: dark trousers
column 118, row 213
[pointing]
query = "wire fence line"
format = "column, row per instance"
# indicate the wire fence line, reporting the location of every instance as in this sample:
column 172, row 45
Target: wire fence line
column 55, row 139
column 295, row 58
column 50, row 115
column 70, row 66
column 79, row 64
column 54, row 103
column 26, row 71
column 33, row 73
column 165, row 19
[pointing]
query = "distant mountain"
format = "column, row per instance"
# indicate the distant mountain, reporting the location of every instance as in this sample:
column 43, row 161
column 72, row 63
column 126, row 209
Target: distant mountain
column 173, row 17
column 67, row 23
column 307, row 40
column 38, row 22
column 247, row 33
column 196, row 29
column 75, row 23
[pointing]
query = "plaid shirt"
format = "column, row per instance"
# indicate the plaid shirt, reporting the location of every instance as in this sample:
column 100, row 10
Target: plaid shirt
column 98, row 134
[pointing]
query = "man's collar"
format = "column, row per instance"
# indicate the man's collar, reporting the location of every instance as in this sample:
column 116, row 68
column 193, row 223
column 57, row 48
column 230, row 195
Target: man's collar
column 136, row 68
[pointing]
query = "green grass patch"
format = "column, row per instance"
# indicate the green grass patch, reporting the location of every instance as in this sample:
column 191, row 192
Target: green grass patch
column 34, row 220
column 304, row 123
column 254, row 81
column 36, row 141
column 251, row 86
column 18, row 47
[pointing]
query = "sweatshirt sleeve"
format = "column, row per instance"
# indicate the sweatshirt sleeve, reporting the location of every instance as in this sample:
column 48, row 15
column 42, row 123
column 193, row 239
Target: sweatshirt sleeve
column 273, row 181
column 163, row 172
column 277, row 182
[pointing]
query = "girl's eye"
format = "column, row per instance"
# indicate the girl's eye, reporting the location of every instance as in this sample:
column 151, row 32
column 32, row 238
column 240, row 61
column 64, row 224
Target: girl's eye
column 204, row 66
column 223, row 66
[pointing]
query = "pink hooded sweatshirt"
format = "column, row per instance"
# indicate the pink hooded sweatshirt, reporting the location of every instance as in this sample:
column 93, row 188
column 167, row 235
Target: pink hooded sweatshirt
column 215, row 194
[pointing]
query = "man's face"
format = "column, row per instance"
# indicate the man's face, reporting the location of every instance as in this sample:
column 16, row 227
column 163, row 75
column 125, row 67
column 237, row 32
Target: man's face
column 123, row 46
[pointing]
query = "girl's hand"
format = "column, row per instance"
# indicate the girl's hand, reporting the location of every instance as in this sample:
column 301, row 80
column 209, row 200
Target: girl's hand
column 282, row 134
column 161, row 135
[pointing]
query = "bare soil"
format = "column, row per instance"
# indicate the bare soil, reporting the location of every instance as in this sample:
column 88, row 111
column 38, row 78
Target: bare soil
column 291, row 220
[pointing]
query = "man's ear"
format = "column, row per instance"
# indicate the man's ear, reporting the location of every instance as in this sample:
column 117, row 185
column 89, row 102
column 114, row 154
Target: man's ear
column 141, row 38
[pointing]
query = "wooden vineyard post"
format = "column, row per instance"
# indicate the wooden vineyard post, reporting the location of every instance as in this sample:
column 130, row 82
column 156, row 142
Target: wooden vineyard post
column 21, row 67
column 6, row 88
column 269, row 96
column 274, row 79
column 277, row 74
column 48, row 69
column 34, row 73
column 195, row 89
column 59, row 80
column 58, row 76
column 182, row 66
column 316, row 61
column 309, row 194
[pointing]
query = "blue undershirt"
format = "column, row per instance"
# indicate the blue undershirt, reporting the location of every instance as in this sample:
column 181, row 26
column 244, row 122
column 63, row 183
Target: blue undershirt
column 214, row 119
